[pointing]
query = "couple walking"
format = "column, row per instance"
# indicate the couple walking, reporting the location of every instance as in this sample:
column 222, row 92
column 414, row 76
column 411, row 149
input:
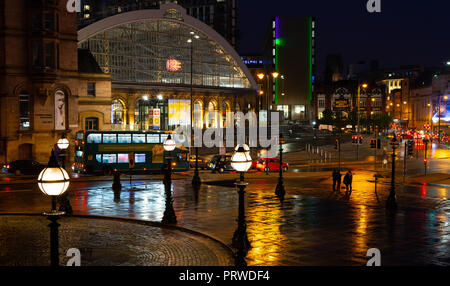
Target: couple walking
column 348, row 180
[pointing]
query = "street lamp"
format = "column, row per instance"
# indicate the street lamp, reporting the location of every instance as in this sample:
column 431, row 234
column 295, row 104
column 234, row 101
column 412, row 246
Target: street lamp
column 392, row 200
column 169, row 213
column 279, row 191
column 196, row 181
column 241, row 161
column 63, row 145
column 53, row 181
column 358, row 131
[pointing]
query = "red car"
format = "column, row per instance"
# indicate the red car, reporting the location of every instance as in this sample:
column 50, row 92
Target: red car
column 274, row 165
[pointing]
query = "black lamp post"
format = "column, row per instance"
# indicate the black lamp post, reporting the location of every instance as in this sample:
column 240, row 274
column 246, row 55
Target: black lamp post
column 169, row 216
column 196, row 181
column 392, row 200
column 53, row 181
column 279, row 191
column 241, row 162
column 63, row 145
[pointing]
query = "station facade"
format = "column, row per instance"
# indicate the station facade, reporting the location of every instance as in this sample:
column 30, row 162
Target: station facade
column 155, row 58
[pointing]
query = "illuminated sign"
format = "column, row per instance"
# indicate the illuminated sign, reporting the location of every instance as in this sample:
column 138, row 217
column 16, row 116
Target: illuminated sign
column 173, row 65
column 341, row 103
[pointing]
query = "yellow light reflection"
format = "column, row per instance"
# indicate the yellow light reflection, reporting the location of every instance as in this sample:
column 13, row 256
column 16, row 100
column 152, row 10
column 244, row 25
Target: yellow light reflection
column 264, row 234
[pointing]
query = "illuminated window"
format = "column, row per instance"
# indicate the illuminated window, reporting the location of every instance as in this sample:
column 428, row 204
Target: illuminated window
column 109, row 138
column 153, row 139
column 139, row 158
column 122, row 158
column 24, row 110
column 109, row 158
column 124, row 138
column 139, row 138
column 94, row 138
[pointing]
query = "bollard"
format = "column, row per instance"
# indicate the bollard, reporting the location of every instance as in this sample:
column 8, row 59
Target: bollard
column 117, row 186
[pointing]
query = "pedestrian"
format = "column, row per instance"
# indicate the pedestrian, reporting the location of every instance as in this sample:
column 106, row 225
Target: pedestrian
column 348, row 180
column 334, row 175
column 339, row 180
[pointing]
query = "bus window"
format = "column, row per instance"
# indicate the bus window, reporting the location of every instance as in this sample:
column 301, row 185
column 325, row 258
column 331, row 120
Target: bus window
column 123, row 158
column 98, row 157
column 109, row 139
column 139, row 158
column 153, row 138
column 163, row 138
column 109, row 158
column 139, row 138
column 124, row 138
column 94, row 138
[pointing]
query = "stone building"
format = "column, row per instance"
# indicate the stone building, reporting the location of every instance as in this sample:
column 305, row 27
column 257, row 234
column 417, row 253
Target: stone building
column 47, row 88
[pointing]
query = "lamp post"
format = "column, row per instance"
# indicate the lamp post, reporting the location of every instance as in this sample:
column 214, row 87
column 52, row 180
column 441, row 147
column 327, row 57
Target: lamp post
column 53, row 181
column 241, row 161
column 63, row 145
column 196, row 181
column 280, row 191
column 358, row 129
column 169, row 213
column 261, row 76
column 392, row 200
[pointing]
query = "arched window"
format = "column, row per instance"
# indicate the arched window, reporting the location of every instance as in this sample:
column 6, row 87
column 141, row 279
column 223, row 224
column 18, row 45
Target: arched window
column 225, row 109
column 24, row 111
column 117, row 113
column 198, row 114
column 212, row 114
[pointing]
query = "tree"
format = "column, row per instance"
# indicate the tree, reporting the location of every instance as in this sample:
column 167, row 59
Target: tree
column 383, row 121
column 327, row 117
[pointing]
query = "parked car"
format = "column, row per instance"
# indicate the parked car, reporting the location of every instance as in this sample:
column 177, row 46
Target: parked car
column 202, row 163
column 26, row 167
column 220, row 163
column 274, row 165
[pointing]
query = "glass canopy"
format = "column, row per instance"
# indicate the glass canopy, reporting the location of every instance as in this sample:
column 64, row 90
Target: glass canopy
column 158, row 51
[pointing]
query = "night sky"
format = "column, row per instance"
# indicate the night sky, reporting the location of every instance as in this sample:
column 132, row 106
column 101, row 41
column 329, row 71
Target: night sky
column 406, row 32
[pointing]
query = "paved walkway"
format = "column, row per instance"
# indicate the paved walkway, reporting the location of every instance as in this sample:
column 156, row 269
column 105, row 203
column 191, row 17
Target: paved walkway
column 311, row 227
column 24, row 241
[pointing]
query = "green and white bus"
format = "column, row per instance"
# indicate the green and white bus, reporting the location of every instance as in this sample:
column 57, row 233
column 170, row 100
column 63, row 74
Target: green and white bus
column 105, row 152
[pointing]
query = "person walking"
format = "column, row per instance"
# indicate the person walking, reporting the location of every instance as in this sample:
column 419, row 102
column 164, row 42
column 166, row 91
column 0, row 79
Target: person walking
column 339, row 180
column 348, row 180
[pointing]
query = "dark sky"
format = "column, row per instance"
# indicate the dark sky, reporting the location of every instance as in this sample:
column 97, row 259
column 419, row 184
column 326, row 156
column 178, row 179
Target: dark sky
column 406, row 32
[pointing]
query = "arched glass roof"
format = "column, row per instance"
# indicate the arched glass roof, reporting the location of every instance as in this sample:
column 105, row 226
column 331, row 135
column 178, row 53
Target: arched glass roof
column 156, row 50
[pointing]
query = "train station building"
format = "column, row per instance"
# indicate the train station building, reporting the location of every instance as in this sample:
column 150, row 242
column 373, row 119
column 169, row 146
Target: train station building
column 155, row 57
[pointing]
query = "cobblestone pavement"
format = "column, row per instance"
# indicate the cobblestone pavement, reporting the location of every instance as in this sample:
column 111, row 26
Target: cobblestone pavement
column 24, row 241
column 313, row 226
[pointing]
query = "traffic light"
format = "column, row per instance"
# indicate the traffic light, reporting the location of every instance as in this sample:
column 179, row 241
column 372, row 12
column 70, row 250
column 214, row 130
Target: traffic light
column 360, row 140
column 410, row 148
column 354, row 139
column 373, row 144
column 337, row 144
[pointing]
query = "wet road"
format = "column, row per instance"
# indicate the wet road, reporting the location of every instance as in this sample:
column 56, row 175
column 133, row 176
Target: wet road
column 313, row 226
